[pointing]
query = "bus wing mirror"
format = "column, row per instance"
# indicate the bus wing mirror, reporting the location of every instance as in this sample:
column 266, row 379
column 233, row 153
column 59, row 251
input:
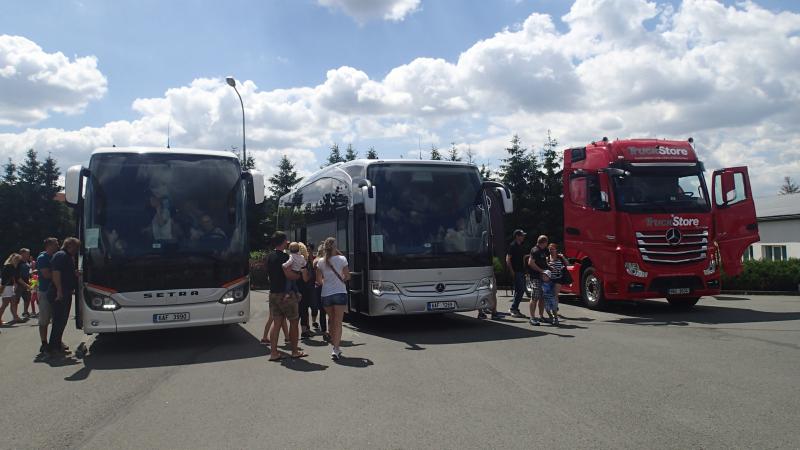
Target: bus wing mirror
column 370, row 198
column 258, row 186
column 508, row 200
column 72, row 185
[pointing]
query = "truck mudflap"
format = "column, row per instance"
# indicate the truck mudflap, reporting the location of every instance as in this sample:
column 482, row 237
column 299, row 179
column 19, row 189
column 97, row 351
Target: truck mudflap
column 734, row 214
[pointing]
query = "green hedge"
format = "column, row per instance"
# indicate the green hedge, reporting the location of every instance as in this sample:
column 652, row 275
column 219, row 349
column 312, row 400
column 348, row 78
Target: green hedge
column 765, row 276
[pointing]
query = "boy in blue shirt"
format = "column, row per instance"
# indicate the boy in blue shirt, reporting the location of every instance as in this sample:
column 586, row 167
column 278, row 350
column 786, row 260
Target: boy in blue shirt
column 550, row 298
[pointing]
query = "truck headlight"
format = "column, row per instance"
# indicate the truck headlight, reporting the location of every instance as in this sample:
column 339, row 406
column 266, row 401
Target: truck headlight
column 633, row 269
column 379, row 288
column 236, row 294
column 712, row 267
column 99, row 302
column 486, row 283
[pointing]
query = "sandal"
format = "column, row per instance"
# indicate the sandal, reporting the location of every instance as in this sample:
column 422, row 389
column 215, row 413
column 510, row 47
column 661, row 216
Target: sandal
column 265, row 341
column 300, row 355
column 278, row 358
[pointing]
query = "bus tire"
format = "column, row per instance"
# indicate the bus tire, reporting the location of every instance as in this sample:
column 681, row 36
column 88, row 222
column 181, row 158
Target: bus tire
column 592, row 289
column 682, row 303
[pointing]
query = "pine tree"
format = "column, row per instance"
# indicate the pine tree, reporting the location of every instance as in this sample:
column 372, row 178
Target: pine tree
column 284, row 179
column 551, row 223
column 29, row 171
column 789, row 187
column 350, row 154
column 452, row 155
column 486, row 173
column 520, row 173
column 470, row 155
column 249, row 164
column 10, row 175
column 435, row 155
column 335, row 156
column 49, row 177
column 372, row 154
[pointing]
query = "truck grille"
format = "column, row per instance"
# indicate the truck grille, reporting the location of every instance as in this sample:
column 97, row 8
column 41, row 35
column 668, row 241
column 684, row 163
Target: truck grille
column 661, row 247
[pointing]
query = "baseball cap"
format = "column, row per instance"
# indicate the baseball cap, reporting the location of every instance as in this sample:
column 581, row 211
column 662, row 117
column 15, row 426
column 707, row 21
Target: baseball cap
column 518, row 232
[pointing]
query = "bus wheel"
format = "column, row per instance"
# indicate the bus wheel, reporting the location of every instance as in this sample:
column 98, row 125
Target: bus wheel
column 592, row 289
column 682, row 302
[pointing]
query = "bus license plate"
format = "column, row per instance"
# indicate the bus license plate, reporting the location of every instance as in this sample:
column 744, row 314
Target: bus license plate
column 441, row 306
column 171, row 317
column 678, row 291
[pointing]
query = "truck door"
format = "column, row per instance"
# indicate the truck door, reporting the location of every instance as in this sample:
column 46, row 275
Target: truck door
column 734, row 212
column 589, row 224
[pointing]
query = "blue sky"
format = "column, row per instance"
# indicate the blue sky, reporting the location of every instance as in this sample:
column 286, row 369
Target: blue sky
column 563, row 65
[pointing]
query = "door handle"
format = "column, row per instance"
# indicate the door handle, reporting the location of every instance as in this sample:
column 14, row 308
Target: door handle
column 573, row 231
column 356, row 291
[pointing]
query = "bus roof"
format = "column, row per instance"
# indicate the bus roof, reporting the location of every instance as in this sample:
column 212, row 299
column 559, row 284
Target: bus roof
column 162, row 150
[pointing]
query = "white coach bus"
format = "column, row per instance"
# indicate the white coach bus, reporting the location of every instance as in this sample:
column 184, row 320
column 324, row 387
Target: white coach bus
column 164, row 238
column 417, row 234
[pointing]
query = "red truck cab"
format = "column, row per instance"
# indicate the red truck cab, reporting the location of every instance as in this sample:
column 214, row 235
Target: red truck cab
column 639, row 222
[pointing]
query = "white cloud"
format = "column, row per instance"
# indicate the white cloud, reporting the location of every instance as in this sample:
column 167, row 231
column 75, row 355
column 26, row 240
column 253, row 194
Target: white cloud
column 727, row 75
column 365, row 10
column 34, row 83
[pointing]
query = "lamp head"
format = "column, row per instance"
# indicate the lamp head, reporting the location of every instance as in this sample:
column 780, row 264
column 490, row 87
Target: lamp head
column 231, row 81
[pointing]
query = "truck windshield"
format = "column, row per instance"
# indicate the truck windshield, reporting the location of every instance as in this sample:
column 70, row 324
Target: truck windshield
column 172, row 220
column 428, row 216
column 666, row 189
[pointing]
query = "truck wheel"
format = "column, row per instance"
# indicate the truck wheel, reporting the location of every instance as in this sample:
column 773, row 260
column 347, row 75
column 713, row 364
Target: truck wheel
column 682, row 302
column 592, row 289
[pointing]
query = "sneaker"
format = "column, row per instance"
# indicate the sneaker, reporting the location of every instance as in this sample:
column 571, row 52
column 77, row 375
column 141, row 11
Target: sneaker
column 534, row 322
column 336, row 355
column 315, row 326
column 555, row 322
column 43, row 348
column 25, row 315
column 546, row 319
column 306, row 334
column 35, row 315
column 497, row 316
column 516, row 314
column 481, row 315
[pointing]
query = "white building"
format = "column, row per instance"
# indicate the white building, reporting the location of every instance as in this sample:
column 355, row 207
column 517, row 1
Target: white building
column 779, row 228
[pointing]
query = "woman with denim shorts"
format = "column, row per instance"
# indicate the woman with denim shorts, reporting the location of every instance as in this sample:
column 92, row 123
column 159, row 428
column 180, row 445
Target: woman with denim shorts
column 332, row 274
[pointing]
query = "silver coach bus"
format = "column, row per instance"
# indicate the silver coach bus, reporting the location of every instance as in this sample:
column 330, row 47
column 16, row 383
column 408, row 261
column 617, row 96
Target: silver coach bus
column 417, row 234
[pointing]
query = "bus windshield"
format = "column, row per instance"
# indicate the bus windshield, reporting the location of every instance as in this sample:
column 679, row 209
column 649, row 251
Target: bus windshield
column 174, row 219
column 661, row 189
column 428, row 216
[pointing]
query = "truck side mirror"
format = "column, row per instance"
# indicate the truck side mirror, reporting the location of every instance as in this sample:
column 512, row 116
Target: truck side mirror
column 728, row 187
column 72, row 185
column 258, row 186
column 508, row 200
column 370, row 203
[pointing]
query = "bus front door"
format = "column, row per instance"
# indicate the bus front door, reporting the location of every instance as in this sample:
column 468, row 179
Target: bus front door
column 359, row 252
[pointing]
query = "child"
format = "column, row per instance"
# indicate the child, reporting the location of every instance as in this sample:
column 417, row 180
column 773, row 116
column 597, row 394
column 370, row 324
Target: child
column 296, row 262
column 34, row 294
column 550, row 297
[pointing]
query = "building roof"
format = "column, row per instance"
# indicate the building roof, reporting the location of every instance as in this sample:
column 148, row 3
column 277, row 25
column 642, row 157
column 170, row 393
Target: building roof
column 778, row 207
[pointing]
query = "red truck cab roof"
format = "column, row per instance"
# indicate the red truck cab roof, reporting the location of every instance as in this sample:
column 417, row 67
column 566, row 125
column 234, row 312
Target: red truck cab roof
column 604, row 152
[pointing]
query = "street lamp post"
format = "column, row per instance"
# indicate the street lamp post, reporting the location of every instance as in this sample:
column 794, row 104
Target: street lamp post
column 232, row 83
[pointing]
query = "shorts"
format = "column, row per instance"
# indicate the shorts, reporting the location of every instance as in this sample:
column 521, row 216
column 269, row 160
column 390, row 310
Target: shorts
column 7, row 291
column 536, row 289
column 335, row 300
column 45, row 310
column 23, row 294
column 283, row 305
column 551, row 303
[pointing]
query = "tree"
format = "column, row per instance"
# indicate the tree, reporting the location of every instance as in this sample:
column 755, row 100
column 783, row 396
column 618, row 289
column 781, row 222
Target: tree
column 789, row 187
column 350, row 154
column 372, row 154
column 520, row 173
column 335, row 156
column 452, row 155
column 435, row 155
column 249, row 164
column 283, row 180
column 486, row 173
column 10, row 175
column 470, row 155
column 552, row 188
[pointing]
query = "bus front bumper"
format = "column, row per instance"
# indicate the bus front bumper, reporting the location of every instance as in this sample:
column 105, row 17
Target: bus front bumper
column 399, row 304
column 144, row 317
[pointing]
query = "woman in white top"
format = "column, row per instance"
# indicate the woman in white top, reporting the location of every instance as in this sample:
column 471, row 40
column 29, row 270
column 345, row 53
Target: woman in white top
column 332, row 274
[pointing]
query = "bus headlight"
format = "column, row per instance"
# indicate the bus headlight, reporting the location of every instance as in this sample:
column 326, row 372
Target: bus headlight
column 379, row 288
column 712, row 267
column 99, row 302
column 235, row 295
column 486, row 283
column 633, row 269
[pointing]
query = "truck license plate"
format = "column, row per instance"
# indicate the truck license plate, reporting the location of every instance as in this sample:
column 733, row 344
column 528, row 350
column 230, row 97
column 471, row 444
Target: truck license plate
column 678, row 291
column 171, row 317
column 441, row 306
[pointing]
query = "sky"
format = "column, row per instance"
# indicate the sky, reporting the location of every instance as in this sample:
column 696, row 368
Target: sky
column 400, row 75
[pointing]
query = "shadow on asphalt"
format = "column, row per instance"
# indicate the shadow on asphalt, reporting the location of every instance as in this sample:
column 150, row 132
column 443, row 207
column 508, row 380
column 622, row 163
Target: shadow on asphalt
column 660, row 313
column 174, row 347
column 420, row 331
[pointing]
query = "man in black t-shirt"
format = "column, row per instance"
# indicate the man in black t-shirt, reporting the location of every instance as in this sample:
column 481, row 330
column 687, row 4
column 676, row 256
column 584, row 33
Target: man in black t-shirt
column 282, row 307
column 64, row 284
column 516, row 266
column 536, row 265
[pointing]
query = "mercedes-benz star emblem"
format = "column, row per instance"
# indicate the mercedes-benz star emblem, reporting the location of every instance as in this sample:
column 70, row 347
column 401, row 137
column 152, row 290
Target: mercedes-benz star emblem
column 674, row 236
column 440, row 287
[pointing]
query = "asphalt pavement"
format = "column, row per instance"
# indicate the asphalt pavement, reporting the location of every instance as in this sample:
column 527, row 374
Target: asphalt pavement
column 724, row 375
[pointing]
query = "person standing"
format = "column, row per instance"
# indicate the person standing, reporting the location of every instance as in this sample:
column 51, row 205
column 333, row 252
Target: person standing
column 332, row 275
column 537, row 264
column 22, row 290
column 65, row 283
column 45, row 280
column 8, row 279
column 283, row 307
column 516, row 266
column 322, row 325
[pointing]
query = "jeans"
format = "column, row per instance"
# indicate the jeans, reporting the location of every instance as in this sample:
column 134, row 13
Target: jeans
column 60, row 312
column 519, row 289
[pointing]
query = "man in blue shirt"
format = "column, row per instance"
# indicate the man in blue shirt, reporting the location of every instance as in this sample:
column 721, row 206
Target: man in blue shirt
column 65, row 282
column 45, row 279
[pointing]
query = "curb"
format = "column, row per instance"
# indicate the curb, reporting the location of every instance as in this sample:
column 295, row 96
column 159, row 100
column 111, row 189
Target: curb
column 740, row 292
